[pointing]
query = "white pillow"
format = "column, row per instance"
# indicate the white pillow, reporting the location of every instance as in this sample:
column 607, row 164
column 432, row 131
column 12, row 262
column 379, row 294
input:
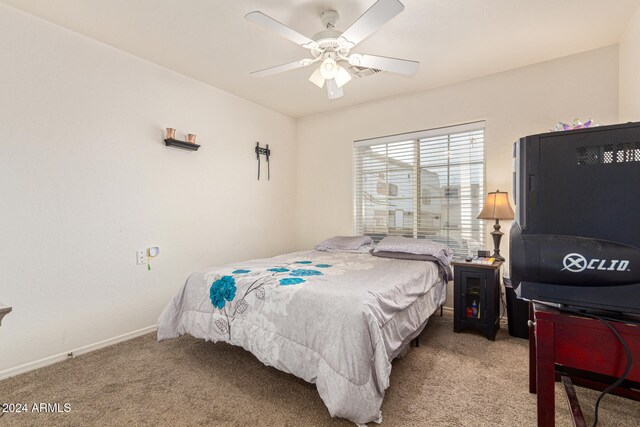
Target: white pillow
column 344, row 243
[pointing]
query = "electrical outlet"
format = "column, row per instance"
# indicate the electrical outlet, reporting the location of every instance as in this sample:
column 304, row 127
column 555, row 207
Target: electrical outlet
column 140, row 257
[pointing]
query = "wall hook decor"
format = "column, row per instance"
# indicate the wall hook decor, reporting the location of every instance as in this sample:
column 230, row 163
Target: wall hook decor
column 265, row 152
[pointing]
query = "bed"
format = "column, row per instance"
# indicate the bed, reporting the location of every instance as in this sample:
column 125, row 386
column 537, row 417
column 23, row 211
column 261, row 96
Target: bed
column 335, row 319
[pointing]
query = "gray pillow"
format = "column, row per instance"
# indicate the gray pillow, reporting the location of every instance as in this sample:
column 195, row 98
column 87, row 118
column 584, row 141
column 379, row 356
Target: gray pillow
column 445, row 270
column 345, row 243
column 416, row 246
column 404, row 255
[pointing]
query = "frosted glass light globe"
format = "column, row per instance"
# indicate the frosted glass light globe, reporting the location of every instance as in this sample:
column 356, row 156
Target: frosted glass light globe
column 329, row 68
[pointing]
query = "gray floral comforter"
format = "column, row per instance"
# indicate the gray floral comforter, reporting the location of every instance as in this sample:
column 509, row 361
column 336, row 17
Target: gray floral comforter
column 333, row 319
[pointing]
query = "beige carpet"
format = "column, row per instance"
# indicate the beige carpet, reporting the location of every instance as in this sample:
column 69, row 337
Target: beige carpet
column 450, row 380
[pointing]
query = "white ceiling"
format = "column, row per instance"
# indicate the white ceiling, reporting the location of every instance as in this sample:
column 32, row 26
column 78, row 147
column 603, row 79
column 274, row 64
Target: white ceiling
column 454, row 40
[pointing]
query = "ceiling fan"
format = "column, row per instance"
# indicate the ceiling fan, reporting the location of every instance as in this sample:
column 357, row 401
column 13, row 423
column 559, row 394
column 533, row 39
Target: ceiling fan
column 333, row 48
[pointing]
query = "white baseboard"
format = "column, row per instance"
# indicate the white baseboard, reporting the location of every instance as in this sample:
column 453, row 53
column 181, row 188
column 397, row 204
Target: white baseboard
column 30, row 366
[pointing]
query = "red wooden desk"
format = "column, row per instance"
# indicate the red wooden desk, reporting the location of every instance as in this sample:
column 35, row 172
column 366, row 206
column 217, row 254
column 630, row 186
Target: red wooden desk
column 575, row 342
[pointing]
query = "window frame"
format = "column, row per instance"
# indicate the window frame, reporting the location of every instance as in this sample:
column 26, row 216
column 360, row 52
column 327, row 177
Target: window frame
column 417, row 139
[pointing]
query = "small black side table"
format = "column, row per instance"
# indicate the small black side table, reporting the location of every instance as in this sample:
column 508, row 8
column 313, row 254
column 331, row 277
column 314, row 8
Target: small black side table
column 476, row 292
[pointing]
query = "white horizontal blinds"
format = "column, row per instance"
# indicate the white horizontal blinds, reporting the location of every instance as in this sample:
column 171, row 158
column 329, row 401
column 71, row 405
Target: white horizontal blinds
column 430, row 186
column 452, row 182
column 385, row 181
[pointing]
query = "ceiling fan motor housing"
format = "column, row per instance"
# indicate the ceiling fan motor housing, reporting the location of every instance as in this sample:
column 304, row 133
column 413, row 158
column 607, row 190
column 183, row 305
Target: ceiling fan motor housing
column 328, row 38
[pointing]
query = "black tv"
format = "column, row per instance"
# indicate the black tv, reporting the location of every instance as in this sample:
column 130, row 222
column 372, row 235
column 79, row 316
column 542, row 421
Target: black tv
column 576, row 235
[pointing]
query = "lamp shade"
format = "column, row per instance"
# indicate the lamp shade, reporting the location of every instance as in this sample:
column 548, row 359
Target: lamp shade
column 497, row 206
column 316, row 78
column 342, row 77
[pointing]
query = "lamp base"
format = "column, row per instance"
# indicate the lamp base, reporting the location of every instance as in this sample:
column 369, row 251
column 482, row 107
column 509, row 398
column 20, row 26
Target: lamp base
column 497, row 236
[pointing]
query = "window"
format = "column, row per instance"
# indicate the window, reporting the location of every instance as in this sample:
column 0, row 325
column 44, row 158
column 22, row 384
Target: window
column 427, row 184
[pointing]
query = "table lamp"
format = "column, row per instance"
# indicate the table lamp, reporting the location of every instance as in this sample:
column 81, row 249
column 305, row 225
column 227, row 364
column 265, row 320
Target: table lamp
column 497, row 207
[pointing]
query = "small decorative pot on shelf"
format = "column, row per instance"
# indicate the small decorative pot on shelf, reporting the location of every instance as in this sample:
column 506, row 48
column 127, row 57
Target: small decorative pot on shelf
column 189, row 144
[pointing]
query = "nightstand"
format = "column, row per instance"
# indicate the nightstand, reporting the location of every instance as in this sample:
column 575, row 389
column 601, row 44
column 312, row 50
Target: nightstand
column 476, row 297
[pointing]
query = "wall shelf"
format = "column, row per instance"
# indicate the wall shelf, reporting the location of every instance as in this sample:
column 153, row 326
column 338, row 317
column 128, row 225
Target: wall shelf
column 170, row 142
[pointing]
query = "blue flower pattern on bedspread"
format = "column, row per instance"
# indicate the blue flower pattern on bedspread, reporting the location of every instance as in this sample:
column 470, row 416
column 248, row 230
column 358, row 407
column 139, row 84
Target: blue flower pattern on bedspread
column 306, row 273
column 251, row 288
column 222, row 290
column 291, row 281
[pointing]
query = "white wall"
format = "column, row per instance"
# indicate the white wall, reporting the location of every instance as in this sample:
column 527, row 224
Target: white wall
column 85, row 181
column 514, row 104
column 630, row 71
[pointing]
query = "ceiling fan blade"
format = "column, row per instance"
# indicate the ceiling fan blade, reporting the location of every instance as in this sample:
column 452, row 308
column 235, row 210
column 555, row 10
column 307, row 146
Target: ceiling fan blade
column 379, row 14
column 333, row 90
column 394, row 65
column 271, row 24
column 279, row 69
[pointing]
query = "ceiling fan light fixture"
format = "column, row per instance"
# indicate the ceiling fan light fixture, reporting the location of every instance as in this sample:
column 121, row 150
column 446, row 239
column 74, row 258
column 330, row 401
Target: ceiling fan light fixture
column 342, row 77
column 329, row 68
column 316, row 78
